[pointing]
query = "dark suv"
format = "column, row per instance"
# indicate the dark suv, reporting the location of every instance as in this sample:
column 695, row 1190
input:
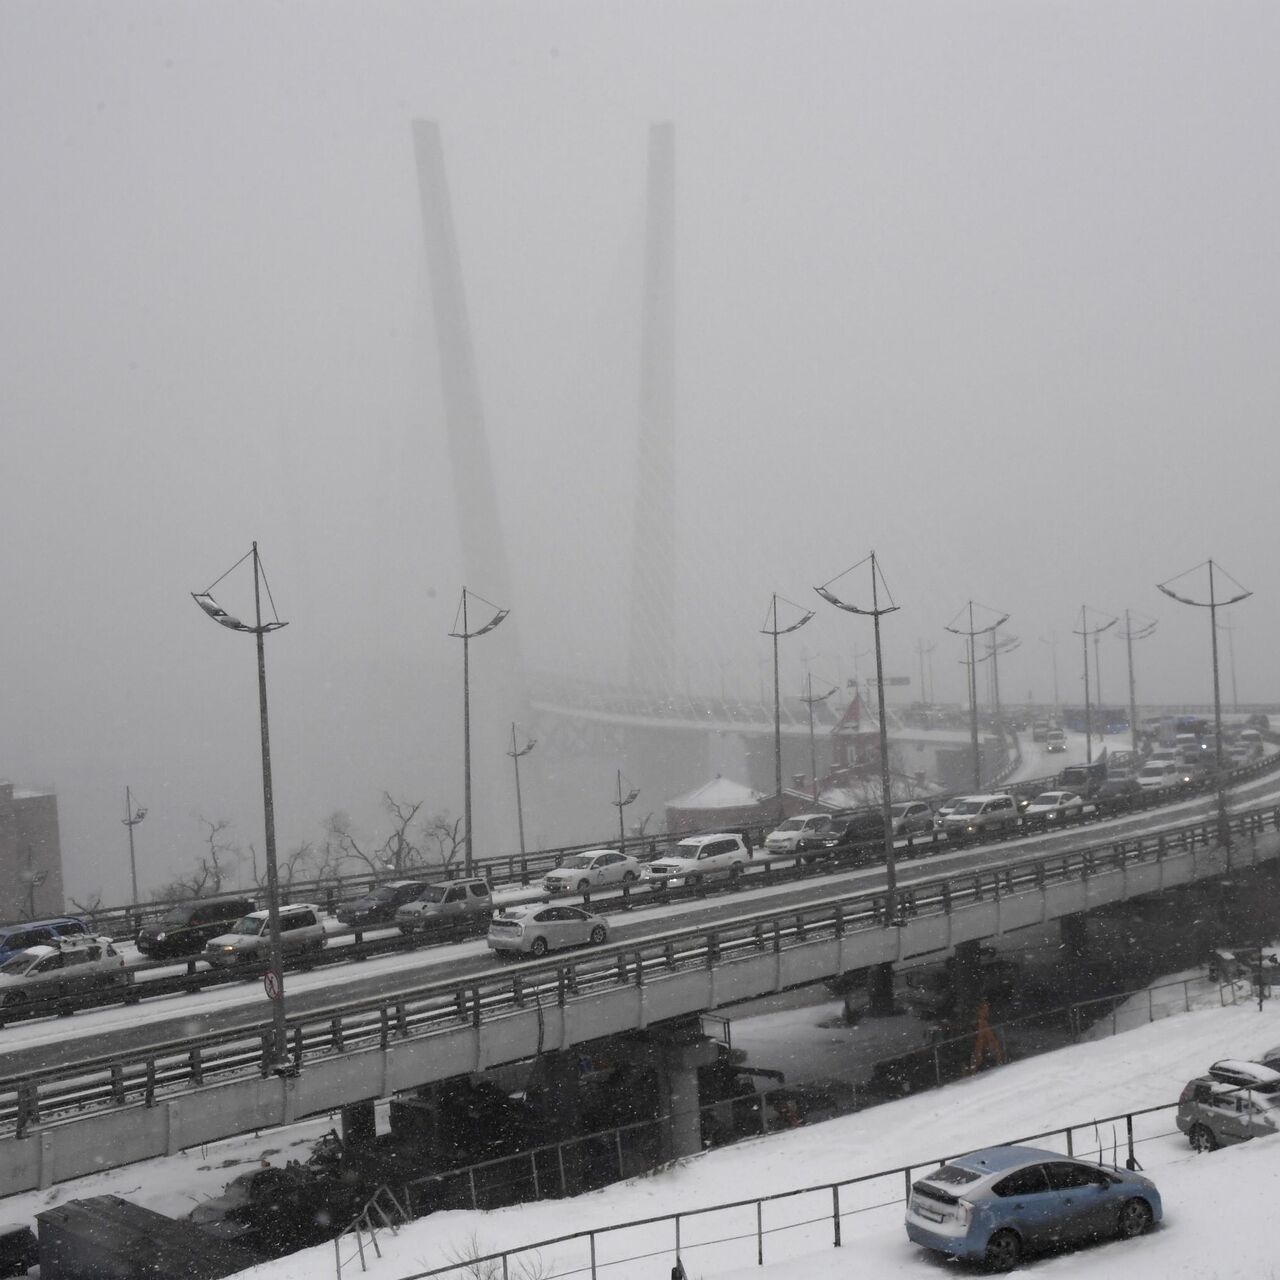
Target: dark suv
column 379, row 905
column 36, row 933
column 183, row 930
column 862, row 830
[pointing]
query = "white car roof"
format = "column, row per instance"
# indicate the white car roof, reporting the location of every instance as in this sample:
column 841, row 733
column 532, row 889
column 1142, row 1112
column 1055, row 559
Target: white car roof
column 718, row 835
column 1254, row 1071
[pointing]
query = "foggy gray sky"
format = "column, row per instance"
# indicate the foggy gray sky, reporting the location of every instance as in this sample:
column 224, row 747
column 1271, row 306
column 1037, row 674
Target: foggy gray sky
column 989, row 287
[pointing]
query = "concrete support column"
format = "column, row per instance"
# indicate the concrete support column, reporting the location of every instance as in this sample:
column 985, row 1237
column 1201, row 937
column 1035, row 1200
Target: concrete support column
column 680, row 1054
column 966, row 979
column 359, row 1127
column 880, row 990
column 557, row 1099
column 1074, row 932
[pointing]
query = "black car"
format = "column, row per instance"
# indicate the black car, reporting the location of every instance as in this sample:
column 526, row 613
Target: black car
column 1117, row 795
column 183, row 930
column 379, row 905
column 864, row 828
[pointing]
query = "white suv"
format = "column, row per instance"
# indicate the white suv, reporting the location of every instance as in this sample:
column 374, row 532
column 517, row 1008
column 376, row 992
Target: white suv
column 788, row 834
column 699, row 858
column 976, row 816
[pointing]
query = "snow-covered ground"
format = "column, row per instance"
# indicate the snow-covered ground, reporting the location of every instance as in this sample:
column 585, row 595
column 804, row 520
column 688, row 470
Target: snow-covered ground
column 1217, row 1207
column 1142, row 1068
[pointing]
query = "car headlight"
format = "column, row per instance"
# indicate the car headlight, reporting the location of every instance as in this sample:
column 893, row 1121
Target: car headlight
column 160, row 937
column 228, row 951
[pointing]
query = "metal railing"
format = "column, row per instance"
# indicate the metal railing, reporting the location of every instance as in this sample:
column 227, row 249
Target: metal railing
column 472, row 999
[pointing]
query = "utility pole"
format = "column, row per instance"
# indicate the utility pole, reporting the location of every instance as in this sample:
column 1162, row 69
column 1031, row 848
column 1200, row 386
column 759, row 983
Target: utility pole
column 1084, row 633
column 1213, row 604
column 1130, row 635
column 772, row 629
column 809, row 701
column 515, row 755
column 972, row 633
column 131, row 819
column 886, row 798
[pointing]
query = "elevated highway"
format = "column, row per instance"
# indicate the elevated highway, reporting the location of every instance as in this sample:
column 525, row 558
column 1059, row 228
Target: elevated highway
column 472, row 1013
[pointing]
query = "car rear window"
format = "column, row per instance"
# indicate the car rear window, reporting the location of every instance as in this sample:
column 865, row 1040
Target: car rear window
column 953, row 1175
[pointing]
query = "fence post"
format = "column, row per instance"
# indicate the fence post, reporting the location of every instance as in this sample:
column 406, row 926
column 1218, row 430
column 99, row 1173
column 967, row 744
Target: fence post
column 617, row 1142
column 471, row 1178
column 835, row 1213
column 759, row 1234
column 1132, row 1161
column 1070, row 1144
column 592, row 1241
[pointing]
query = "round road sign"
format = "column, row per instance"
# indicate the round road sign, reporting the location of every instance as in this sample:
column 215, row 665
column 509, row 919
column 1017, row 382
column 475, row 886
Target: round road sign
column 271, row 985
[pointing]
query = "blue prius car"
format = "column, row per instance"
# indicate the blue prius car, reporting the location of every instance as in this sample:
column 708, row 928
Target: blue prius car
column 993, row 1206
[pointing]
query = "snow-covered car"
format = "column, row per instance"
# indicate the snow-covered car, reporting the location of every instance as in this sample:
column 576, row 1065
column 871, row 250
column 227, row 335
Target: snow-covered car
column 1213, row 1113
column 582, row 872
column 1053, row 806
column 301, row 933
column 1157, row 774
column 994, row 1206
column 59, row 969
column 786, row 837
column 1055, row 740
column 537, row 928
column 944, row 810
column 700, row 858
column 911, row 817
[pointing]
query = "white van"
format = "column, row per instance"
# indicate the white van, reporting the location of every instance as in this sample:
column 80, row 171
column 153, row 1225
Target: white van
column 1159, row 773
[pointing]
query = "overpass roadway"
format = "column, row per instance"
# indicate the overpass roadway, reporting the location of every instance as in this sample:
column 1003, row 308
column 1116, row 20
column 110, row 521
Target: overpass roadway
column 38, row 1047
column 478, row 1015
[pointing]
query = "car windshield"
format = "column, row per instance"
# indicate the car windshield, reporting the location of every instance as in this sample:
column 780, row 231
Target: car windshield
column 383, row 893
column 968, row 806
column 792, row 824
column 252, row 925
column 1046, row 797
column 578, row 862
column 19, row 963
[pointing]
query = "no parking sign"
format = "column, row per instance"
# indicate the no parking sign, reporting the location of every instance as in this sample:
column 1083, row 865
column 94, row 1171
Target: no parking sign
column 271, row 985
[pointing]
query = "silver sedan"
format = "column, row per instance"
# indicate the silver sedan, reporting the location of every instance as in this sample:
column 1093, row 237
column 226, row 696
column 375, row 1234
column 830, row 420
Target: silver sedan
column 537, row 928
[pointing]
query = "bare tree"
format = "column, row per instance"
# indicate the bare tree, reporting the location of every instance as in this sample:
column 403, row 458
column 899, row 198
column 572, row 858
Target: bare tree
column 445, row 836
column 398, row 850
column 211, row 872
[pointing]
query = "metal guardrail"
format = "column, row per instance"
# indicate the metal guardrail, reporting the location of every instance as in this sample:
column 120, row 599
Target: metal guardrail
column 376, row 1023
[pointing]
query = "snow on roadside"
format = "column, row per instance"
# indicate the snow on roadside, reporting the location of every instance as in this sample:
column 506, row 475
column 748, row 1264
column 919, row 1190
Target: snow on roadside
column 1142, row 1068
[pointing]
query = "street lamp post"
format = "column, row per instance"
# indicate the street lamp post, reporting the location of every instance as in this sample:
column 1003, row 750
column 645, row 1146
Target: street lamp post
column 775, row 631
column 467, row 636
column 1213, row 604
column 810, row 701
column 274, row 980
column 620, row 804
column 515, row 755
column 972, row 633
column 886, row 798
column 131, row 819
column 1132, row 633
column 1084, row 633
